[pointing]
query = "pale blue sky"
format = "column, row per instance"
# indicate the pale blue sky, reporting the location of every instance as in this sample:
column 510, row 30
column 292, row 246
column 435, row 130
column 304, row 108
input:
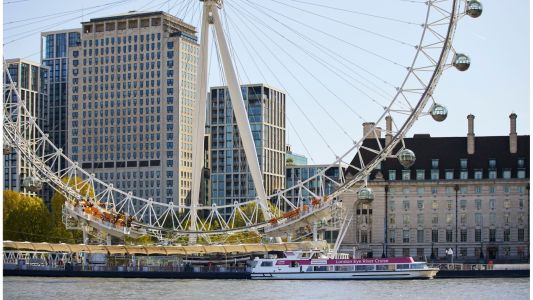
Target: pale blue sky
column 496, row 84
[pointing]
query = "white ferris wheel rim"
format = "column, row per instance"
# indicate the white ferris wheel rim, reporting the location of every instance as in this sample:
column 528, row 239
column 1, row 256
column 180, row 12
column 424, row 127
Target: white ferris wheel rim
column 75, row 170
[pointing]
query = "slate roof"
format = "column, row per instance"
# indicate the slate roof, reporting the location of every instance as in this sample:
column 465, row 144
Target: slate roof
column 450, row 150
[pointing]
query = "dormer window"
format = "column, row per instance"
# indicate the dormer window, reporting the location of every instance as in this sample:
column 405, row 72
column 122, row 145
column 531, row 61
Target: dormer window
column 463, row 163
column 435, row 163
column 492, row 163
column 521, row 162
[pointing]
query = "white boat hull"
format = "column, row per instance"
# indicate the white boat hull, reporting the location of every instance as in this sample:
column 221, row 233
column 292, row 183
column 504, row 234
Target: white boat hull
column 408, row 274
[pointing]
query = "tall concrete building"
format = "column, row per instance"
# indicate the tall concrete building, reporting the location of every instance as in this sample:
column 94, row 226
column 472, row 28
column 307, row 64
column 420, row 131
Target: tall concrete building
column 469, row 193
column 230, row 177
column 133, row 82
column 32, row 86
column 54, row 54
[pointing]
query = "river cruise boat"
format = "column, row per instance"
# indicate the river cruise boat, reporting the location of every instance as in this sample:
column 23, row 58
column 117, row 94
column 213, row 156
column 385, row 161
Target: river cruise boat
column 317, row 265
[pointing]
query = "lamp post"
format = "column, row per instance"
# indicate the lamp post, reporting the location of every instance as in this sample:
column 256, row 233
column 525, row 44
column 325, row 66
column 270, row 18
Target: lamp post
column 456, row 187
column 432, row 257
column 385, row 228
column 481, row 255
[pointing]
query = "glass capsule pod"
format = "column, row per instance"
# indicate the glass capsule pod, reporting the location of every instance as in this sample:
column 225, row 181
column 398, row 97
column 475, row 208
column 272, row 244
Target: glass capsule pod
column 406, row 158
column 474, row 8
column 438, row 112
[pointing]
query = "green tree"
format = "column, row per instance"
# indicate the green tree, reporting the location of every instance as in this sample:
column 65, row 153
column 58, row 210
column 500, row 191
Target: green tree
column 26, row 218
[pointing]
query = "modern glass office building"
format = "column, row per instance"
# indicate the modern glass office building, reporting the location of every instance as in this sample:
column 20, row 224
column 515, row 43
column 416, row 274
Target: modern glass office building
column 133, row 84
column 54, row 55
column 32, row 86
column 230, row 178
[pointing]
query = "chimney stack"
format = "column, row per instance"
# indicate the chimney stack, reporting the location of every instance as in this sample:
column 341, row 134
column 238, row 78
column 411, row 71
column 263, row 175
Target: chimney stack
column 368, row 128
column 470, row 137
column 513, row 144
column 388, row 134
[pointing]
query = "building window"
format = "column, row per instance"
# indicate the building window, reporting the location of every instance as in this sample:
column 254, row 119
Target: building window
column 420, row 219
column 449, row 235
column 434, row 174
column 420, row 252
column 449, row 219
column 506, row 235
column 521, row 234
column 434, row 190
column 463, row 204
column 435, row 236
column 478, row 219
column 420, row 174
column 406, row 220
column 406, row 204
column 435, row 219
column 392, row 219
column 492, row 189
column 477, row 235
column 392, row 236
column 506, row 251
column 492, row 204
column 463, row 252
column 420, row 204
column 478, row 204
column 450, row 204
column 477, row 189
column 507, row 218
column 492, row 235
column 405, row 252
column 492, row 163
column 506, row 203
column 406, row 236
column 464, row 235
column 406, row 174
column 435, row 163
column 463, row 175
column 521, row 218
column 462, row 219
column 492, row 218
column 507, row 174
column 392, row 205
column 434, row 204
column 463, row 163
column 448, row 175
column 392, row 174
column 521, row 203
column 520, row 162
column 492, row 174
column 478, row 174
column 420, row 236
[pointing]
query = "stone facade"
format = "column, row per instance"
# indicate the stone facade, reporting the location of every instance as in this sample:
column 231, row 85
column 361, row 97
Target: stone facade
column 475, row 203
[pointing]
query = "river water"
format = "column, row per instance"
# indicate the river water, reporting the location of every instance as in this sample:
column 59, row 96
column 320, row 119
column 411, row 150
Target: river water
column 42, row 288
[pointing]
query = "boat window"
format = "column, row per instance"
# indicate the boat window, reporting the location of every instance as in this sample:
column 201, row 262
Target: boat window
column 315, row 255
column 382, row 267
column 418, row 266
column 266, row 264
column 310, row 269
column 343, row 268
column 402, row 266
column 321, row 268
column 364, row 268
column 305, row 255
column 294, row 264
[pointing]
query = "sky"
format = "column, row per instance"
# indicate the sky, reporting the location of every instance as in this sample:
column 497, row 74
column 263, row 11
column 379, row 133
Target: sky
column 334, row 93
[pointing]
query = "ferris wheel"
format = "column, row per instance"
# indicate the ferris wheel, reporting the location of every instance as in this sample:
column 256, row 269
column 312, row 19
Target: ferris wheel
column 97, row 206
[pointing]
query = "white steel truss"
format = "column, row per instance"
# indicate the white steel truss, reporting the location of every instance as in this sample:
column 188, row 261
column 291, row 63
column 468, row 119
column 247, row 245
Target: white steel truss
column 92, row 202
